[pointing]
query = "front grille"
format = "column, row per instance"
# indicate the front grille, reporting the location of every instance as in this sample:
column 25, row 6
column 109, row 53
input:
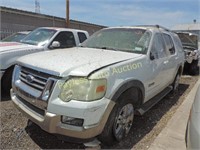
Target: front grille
column 32, row 86
column 39, row 79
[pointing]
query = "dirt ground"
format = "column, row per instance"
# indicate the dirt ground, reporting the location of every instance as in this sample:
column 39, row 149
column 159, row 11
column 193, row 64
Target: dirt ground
column 15, row 134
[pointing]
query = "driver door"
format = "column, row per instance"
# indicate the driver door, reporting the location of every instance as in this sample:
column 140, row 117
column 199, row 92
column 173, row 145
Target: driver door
column 157, row 61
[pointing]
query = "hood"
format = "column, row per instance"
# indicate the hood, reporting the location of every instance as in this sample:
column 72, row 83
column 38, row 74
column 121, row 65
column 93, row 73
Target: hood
column 74, row 61
column 14, row 46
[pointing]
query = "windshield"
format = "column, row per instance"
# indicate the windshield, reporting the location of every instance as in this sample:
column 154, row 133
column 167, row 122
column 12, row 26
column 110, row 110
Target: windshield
column 39, row 37
column 121, row 39
column 189, row 39
column 15, row 37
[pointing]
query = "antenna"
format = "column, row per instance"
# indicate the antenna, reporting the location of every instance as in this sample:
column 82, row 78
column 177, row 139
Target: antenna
column 37, row 6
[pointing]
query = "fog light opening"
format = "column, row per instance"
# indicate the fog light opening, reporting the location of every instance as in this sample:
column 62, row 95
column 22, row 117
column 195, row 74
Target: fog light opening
column 72, row 121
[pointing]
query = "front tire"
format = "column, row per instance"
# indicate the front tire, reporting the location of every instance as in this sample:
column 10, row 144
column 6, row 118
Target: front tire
column 119, row 122
column 123, row 121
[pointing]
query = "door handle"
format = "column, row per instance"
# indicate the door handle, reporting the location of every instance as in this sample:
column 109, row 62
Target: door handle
column 166, row 62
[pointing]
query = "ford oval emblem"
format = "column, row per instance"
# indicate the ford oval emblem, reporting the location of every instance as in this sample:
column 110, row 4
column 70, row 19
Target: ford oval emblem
column 29, row 78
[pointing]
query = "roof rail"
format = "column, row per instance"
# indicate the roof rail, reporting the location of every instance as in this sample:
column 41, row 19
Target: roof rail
column 156, row 26
column 161, row 27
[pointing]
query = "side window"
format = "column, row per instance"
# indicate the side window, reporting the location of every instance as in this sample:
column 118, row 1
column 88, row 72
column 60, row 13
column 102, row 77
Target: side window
column 66, row 39
column 158, row 49
column 82, row 37
column 169, row 44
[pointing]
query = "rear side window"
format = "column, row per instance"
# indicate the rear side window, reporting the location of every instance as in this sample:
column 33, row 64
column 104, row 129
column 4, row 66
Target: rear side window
column 169, row 44
column 82, row 37
column 66, row 39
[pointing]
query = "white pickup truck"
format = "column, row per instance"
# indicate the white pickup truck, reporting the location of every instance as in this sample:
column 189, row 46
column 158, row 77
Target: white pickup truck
column 41, row 39
column 96, row 89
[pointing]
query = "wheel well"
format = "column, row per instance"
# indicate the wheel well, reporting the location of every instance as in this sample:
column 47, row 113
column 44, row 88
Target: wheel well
column 6, row 81
column 8, row 70
column 135, row 94
column 180, row 70
column 132, row 89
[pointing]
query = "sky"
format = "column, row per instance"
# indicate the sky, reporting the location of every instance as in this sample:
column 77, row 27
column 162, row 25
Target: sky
column 167, row 13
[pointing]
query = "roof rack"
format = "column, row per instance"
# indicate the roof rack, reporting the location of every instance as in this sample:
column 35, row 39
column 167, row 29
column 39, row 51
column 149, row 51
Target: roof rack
column 161, row 27
column 156, row 26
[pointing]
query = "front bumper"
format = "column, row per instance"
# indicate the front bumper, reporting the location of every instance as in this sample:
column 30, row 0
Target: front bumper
column 51, row 122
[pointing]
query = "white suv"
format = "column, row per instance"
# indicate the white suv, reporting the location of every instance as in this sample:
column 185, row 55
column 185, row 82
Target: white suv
column 96, row 89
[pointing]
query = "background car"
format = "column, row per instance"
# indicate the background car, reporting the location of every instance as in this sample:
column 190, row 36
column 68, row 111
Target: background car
column 40, row 39
column 192, row 52
column 16, row 37
column 193, row 126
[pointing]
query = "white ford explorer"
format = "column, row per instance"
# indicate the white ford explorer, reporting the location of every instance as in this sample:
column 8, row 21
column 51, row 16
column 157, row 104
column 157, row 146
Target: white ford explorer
column 96, row 89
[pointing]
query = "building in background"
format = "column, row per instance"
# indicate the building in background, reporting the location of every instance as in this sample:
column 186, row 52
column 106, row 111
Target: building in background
column 193, row 27
column 14, row 20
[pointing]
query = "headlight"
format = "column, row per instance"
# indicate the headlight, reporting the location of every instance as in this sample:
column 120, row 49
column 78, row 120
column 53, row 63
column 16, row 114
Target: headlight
column 83, row 89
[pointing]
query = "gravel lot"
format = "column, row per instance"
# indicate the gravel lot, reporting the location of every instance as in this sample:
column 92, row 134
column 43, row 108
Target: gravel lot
column 16, row 134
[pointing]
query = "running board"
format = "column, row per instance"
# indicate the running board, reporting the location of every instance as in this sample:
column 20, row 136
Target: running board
column 146, row 106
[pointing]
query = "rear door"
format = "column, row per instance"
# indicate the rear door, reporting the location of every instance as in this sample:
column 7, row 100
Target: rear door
column 171, row 65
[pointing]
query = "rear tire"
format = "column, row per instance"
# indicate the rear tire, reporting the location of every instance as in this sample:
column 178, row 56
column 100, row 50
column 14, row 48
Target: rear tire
column 119, row 122
column 176, row 83
column 194, row 69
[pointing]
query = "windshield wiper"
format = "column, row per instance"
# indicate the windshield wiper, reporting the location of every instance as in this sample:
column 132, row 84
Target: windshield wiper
column 28, row 42
column 104, row 47
column 109, row 48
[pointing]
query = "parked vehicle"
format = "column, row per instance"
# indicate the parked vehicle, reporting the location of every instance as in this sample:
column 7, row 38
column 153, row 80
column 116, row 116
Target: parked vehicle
column 96, row 89
column 190, row 46
column 41, row 39
column 192, row 136
column 16, row 37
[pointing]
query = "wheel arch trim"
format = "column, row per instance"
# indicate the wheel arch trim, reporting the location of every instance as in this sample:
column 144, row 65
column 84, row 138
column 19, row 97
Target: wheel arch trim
column 127, row 85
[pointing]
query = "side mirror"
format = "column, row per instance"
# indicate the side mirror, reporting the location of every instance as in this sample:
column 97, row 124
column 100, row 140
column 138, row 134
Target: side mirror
column 55, row 44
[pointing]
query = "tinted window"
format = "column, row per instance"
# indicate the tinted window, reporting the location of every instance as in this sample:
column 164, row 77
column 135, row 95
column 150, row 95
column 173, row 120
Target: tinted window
column 189, row 39
column 158, row 49
column 169, row 44
column 66, row 39
column 82, row 37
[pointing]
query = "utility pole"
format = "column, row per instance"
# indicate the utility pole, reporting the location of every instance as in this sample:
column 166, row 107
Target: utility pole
column 37, row 6
column 67, row 14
